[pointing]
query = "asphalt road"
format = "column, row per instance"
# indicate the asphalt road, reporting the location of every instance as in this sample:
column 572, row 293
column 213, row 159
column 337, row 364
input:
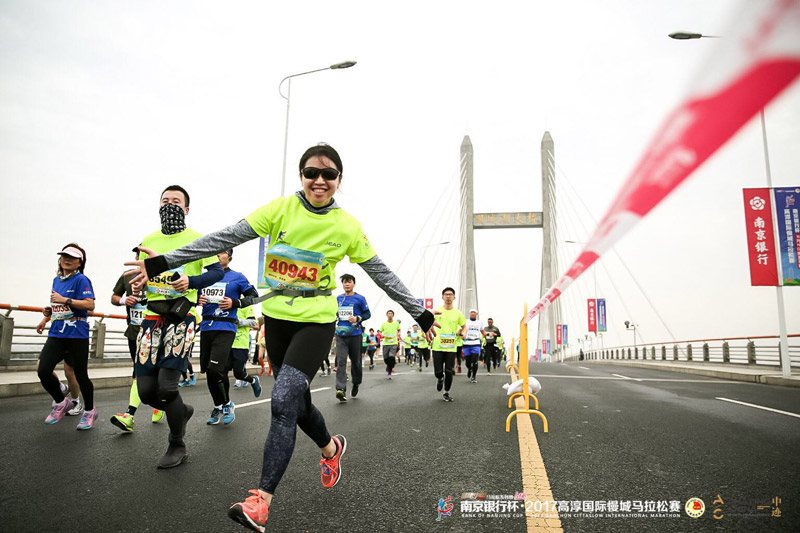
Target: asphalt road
column 406, row 449
column 668, row 438
column 641, row 435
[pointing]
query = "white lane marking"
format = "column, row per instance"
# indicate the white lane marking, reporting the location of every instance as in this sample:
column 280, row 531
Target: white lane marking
column 626, row 377
column 257, row 402
column 787, row 413
column 584, row 368
column 668, row 380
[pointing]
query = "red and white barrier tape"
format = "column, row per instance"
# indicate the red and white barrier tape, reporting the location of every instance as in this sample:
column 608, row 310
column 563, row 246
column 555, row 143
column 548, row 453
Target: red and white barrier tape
column 757, row 58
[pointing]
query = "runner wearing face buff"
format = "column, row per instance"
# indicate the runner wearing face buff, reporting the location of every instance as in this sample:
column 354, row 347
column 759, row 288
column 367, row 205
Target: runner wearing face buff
column 167, row 333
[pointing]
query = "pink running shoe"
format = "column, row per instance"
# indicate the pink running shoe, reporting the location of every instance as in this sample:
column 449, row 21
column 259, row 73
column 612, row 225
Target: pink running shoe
column 58, row 412
column 88, row 419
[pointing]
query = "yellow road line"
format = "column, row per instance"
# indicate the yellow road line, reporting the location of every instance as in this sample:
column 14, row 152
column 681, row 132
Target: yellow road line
column 534, row 477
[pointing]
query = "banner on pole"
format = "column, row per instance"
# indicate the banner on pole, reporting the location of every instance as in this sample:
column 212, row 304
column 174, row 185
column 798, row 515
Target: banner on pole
column 592, row 311
column 429, row 304
column 548, row 346
column 558, row 334
column 544, row 345
column 601, row 315
column 757, row 60
column 787, row 214
column 760, row 236
column 564, row 335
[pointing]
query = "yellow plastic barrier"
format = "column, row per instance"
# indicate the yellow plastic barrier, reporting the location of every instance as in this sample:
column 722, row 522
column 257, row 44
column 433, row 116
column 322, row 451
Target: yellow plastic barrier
column 511, row 366
column 523, row 368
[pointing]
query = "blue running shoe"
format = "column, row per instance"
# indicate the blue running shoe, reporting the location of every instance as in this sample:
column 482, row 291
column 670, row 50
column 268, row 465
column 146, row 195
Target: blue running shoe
column 228, row 414
column 192, row 380
column 216, row 415
column 256, row 387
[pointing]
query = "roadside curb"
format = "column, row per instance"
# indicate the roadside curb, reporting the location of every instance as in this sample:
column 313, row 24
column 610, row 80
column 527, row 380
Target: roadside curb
column 756, row 376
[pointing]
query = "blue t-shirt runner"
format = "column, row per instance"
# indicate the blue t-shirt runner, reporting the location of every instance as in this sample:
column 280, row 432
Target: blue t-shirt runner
column 69, row 322
column 233, row 285
column 353, row 310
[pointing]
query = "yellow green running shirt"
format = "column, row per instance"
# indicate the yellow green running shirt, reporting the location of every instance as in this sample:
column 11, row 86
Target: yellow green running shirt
column 242, row 339
column 158, row 287
column 390, row 331
column 309, row 245
column 446, row 336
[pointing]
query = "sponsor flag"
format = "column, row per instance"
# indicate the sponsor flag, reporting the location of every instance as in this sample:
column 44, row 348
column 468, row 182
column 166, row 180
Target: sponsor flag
column 758, row 58
column 760, row 236
column 592, row 312
column 564, row 335
column 787, row 213
column 558, row 334
column 601, row 315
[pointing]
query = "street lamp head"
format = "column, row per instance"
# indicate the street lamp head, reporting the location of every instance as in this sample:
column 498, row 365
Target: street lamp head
column 684, row 35
column 343, row 64
column 627, row 324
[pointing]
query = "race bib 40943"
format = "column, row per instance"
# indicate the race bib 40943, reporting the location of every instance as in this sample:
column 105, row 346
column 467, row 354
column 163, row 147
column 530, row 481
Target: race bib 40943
column 286, row 266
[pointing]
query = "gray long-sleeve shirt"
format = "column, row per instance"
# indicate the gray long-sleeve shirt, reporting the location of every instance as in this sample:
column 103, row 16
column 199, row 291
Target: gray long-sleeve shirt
column 241, row 232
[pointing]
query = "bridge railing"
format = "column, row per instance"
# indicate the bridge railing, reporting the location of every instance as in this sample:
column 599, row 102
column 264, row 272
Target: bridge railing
column 759, row 350
column 21, row 345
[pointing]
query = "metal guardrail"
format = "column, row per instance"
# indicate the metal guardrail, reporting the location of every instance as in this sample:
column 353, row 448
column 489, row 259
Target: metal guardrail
column 21, row 344
column 736, row 351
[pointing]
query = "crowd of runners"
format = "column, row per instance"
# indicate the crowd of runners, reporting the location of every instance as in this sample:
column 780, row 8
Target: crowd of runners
column 181, row 282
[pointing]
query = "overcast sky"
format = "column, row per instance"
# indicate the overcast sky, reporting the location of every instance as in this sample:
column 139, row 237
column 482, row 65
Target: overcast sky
column 103, row 104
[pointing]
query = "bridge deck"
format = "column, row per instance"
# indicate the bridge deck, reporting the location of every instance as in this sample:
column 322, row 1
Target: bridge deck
column 617, row 434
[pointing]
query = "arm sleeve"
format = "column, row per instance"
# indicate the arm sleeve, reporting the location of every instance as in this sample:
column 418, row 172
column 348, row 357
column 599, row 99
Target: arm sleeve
column 247, row 298
column 213, row 274
column 206, row 246
column 396, row 290
column 248, row 322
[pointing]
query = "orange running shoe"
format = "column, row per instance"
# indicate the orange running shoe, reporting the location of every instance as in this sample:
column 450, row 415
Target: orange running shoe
column 331, row 469
column 251, row 513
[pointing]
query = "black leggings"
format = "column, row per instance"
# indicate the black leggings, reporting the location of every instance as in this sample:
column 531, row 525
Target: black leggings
column 472, row 365
column 296, row 350
column 425, row 353
column 239, row 357
column 215, row 353
column 160, row 391
column 446, row 360
column 75, row 352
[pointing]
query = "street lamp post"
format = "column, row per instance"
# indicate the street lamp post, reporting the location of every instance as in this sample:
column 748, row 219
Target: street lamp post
column 336, row 66
column 786, row 368
column 631, row 325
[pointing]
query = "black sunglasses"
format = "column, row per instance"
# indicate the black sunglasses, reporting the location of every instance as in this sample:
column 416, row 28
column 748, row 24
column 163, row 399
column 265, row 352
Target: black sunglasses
column 312, row 173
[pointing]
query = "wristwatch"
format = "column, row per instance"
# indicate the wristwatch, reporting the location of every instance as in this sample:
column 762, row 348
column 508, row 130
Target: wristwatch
column 69, row 301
